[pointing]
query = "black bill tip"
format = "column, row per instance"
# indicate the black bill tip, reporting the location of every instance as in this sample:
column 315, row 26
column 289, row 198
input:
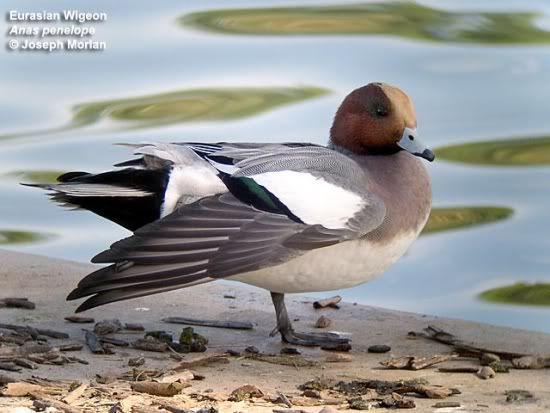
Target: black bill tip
column 427, row 154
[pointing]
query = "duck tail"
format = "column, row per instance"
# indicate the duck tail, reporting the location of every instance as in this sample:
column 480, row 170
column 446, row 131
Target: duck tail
column 130, row 197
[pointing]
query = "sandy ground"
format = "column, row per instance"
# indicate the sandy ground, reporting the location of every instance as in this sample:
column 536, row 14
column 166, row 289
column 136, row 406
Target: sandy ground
column 47, row 281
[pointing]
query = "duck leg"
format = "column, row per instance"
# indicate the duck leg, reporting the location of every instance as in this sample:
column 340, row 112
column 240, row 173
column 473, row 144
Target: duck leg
column 290, row 336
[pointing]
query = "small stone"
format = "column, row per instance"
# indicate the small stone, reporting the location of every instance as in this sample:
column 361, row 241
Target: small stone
column 252, row 350
column 105, row 327
column 518, row 395
column 134, row 327
column 160, row 335
column 441, row 405
column 359, row 404
column 323, row 322
column 338, row 358
column 290, row 350
column 379, row 348
column 191, row 342
column 233, row 353
column 488, row 358
column 315, row 394
column 499, row 367
column 245, row 392
column 486, row 372
column 529, row 362
column 229, row 296
column 136, row 361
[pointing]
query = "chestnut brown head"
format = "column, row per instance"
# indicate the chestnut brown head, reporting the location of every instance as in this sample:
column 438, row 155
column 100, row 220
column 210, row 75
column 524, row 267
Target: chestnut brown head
column 377, row 119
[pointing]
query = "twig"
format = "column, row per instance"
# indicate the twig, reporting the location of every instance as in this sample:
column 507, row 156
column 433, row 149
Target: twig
column 464, row 349
column 416, row 363
column 93, row 343
column 8, row 366
column 458, row 369
column 282, row 360
column 18, row 303
column 6, row 379
column 42, row 402
column 201, row 361
column 158, row 389
column 80, row 320
column 237, row 325
column 74, row 395
column 41, row 331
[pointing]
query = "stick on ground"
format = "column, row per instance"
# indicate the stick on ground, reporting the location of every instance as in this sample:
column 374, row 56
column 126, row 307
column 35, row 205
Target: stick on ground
column 238, row 325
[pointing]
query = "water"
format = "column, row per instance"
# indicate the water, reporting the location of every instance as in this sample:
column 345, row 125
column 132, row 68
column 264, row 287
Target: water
column 173, row 72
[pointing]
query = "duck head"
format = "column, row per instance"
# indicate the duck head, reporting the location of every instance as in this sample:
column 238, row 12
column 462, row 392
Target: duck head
column 378, row 119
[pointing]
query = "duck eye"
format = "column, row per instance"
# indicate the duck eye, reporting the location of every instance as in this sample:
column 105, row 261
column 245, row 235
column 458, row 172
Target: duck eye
column 381, row 111
column 411, row 137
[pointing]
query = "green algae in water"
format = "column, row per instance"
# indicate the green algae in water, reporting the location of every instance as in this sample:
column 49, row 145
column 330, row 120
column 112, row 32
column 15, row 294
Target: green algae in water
column 446, row 219
column 401, row 19
column 190, row 105
column 510, row 152
column 519, row 293
column 194, row 105
column 8, row 237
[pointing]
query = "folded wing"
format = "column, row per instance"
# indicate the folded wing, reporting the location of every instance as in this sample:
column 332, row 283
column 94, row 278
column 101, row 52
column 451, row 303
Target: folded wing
column 281, row 203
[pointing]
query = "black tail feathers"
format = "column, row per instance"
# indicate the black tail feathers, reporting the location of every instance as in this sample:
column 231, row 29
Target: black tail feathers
column 130, row 197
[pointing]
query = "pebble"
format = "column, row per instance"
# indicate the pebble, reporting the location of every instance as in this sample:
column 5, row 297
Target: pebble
column 134, row 327
column 440, row 405
column 136, row 361
column 528, row 362
column 323, row 322
column 486, row 372
column 488, row 358
column 252, row 349
column 105, row 327
column 518, row 395
column 315, row 394
column 379, row 348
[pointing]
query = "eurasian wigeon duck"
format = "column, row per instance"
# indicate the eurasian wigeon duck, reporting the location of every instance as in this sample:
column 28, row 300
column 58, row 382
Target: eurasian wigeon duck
column 289, row 218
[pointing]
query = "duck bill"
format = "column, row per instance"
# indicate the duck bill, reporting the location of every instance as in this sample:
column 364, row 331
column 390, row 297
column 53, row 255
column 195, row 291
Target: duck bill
column 410, row 143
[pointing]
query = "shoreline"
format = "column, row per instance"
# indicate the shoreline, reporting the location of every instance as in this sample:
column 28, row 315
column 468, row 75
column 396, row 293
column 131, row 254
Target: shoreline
column 30, row 276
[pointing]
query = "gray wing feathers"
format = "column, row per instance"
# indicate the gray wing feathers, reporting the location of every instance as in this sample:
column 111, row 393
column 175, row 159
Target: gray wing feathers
column 219, row 236
column 178, row 250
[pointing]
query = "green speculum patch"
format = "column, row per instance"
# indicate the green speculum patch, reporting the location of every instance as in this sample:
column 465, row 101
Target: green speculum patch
column 402, row 19
column 509, row 152
column 446, row 219
column 519, row 293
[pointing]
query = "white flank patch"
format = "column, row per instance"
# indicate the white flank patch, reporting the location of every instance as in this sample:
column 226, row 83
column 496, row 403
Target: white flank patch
column 312, row 199
column 190, row 183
